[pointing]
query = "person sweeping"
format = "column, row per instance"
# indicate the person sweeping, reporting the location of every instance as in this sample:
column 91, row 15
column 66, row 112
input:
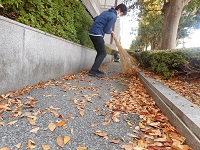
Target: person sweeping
column 103, row 25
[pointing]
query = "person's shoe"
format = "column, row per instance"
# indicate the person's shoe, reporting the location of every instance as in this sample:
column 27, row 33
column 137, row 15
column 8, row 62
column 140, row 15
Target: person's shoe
column 98, row 71
column 95, row 74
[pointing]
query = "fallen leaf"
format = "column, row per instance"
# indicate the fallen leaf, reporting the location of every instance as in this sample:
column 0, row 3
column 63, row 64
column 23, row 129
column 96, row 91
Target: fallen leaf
column 132, row 135
column 94, row 125
column 70, row 116
column 52, row 126
column 101, row 134
column 66, row 139
column 35, row 130
column 54, row 108
column 46, row 147
column 61, row 123
column 31, row 144
column 12, row 122
column 116, row 140
column 60, row 141
column 127, row 147
column 106, row 123
column 81, row 148
column 5, row 148
column 32, row 121
column 18, row 145
column 82, row 113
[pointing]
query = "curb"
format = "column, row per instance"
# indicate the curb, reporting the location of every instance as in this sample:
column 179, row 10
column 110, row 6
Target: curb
column 182, row 114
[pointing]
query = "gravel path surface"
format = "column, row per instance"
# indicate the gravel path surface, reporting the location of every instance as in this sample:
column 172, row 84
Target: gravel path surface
column 80, row 101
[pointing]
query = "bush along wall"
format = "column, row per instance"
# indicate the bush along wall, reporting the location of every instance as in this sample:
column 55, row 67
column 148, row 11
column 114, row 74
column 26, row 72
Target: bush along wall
column 67, row 19
column 170, row 62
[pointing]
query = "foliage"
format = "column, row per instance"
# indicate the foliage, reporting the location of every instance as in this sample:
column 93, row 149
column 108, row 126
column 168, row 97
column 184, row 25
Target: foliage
column 168, row 63
column 151, row 20
column 67, row 19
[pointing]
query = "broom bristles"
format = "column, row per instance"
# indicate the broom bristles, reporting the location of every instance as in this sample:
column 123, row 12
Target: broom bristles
column 128, row 63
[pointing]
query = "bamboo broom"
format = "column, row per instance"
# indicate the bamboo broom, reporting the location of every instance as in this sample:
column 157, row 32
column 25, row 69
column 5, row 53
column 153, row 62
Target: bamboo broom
column 128, row 63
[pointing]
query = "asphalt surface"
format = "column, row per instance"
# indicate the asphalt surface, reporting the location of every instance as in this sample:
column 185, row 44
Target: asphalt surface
column 80, row 99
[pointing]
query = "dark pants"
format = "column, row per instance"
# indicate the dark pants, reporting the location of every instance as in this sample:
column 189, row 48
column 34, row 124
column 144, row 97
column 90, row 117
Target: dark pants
column 99, row 46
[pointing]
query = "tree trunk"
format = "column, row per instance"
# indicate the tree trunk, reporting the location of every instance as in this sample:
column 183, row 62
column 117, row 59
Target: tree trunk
column 172, row 13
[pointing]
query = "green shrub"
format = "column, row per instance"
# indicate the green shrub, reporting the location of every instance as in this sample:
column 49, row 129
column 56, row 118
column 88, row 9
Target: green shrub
column 168, row 63
column 67, row 19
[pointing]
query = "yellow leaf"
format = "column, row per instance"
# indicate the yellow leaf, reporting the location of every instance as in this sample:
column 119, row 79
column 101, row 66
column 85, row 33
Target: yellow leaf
column 66, row 139
column 52, row 126
column 61, row 123
column 5, row 148
column 35, row 130
column 81, row 148
column 12, row 122
column 18, row 145
column 46, row 147
column 60, row 141
column 31, row 144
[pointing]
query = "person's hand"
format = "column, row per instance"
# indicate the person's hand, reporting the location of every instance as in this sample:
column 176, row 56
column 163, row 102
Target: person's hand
column 113, row 33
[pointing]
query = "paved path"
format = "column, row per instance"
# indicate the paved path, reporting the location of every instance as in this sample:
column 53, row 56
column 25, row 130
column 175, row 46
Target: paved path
column 79, row 102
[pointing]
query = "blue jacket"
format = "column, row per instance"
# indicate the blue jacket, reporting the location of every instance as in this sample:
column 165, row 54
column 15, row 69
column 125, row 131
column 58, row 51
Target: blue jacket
column 103, row 23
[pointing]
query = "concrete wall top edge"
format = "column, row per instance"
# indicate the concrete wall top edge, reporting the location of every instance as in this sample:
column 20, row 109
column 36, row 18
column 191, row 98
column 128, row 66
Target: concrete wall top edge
column 37, row 30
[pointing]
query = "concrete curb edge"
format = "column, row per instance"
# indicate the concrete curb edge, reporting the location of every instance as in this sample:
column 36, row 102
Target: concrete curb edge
column 172, row 107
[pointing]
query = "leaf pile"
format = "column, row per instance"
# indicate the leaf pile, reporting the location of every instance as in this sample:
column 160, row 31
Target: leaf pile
column 156, row 130
column 186, row 87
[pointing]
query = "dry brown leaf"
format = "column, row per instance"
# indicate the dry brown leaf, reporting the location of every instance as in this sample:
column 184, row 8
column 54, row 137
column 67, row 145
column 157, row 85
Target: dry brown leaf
column 94, row 125
column 61, row 123
column 70, row 116
column 46, row 147
column 127, row 147
column 5, row 107
column 115, row 115
column 66, row 139
column 31, row 144
column 35, row 130
column 154, row 124
column 12, row 122
column 18, row 145
column 106, row 123
column 82, row 113
column 5, row 148
column 116, row 140
column 54, row 108
column 132, row 135
column 51, row 126
column 60, row 141
column 101, row 134
column 2, row 123
column 137, row 128
column 32, row 121
column 81, row 148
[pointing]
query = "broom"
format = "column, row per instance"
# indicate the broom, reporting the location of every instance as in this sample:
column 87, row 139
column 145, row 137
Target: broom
column 128, row 63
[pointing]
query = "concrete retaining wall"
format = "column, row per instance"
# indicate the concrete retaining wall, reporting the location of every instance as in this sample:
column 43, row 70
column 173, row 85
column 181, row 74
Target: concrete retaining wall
column 28, row 56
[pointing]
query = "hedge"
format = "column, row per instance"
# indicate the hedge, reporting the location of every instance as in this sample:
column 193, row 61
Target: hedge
column 67, row 19
column 170, row 62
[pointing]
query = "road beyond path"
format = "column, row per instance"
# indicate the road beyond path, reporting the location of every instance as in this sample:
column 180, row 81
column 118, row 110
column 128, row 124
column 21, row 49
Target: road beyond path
column 79, row 112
